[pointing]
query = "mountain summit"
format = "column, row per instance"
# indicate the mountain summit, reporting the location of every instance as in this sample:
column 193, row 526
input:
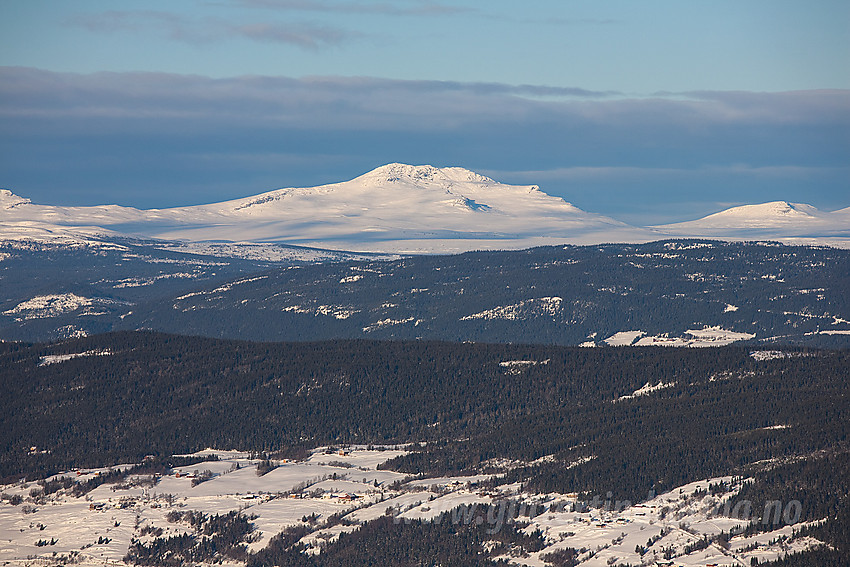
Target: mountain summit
column 397, row 185
column 774, row 211
column 409, row 209
column 425, row 174
column 9, row 200
column 395, row 208
column 775, row 219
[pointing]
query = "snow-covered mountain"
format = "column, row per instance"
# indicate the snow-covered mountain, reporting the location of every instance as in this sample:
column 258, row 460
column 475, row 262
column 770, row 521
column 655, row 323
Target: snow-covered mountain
column 394, row 208
column 777, row 220
column 400, row 208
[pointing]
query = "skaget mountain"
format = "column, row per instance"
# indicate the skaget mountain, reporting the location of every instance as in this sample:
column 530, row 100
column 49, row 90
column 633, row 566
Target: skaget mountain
column 406, row 209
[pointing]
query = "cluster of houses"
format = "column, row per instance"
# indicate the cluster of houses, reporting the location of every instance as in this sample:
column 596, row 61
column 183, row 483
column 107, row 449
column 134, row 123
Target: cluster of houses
column 338, row 496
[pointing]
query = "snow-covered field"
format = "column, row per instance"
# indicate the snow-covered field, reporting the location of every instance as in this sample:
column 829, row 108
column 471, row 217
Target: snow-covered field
column 706, row 337
column 657, row 531
column 97, row 529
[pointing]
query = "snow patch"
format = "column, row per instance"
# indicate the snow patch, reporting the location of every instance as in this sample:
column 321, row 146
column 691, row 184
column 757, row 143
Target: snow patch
column 761, row 355
column 623, row 338
column 142, row 282
column 335, row 311
column 549, row 306
column 220, row 289
column 647, row 389
column 46, row 306
column 57, row 358
column 517, row 366
column 386, row 323
column 521, row 363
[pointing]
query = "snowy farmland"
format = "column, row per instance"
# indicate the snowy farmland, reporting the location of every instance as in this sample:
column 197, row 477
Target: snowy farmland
column 679, row 527
column 705, row 337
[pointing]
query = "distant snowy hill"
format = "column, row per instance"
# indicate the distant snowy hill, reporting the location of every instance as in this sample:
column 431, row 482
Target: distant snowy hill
column 406, row 209
column 777, row 220
column 395, row 208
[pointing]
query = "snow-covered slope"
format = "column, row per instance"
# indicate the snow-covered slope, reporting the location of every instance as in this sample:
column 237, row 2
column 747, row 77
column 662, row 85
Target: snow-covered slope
column 775, row 220
column 400, row 208
column 394, row 208
column 98, row 529
column 21, row 220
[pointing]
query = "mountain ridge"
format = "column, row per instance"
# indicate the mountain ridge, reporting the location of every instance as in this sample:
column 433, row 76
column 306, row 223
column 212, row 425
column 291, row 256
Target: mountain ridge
column 411, row 209
column 396, row 208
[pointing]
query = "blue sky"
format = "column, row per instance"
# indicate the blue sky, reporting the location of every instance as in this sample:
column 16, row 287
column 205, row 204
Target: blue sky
column 645, row 111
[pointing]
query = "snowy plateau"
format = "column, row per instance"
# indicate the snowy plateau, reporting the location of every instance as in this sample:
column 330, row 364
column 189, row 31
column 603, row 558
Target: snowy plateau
column 405, row 209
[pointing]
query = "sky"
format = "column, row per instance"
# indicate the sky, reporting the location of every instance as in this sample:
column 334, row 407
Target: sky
column 649, row 112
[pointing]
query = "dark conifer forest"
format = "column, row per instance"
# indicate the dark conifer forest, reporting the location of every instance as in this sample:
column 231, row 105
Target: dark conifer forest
column 716, row 411
column 165, row 394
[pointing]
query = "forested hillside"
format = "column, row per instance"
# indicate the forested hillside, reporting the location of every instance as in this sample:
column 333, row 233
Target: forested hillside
column 662, row 291
column 553, row 295
column 55, row 290
column 626, row 422
column 707, row 411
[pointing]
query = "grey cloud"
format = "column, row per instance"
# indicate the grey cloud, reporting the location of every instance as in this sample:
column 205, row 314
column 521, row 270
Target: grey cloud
column 313, row 101
column 309, row 36
column 206, row 30
column 166, row 24
column 789, row 106
column 412, row 8
column 118, row 20
column 409, row 8
column 160, row 130
column 361, row 101
column 557, row 21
